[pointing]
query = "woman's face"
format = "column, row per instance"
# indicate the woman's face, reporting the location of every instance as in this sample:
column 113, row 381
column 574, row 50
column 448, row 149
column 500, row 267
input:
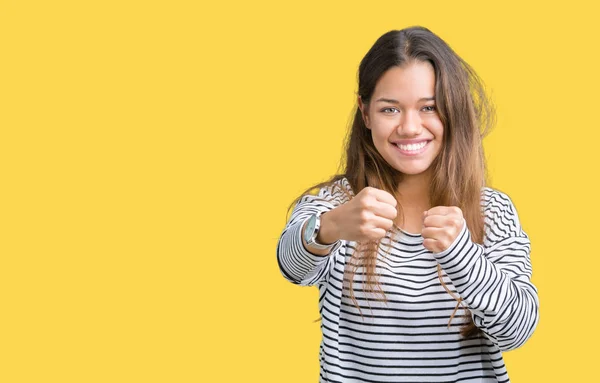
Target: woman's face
column 403, row 119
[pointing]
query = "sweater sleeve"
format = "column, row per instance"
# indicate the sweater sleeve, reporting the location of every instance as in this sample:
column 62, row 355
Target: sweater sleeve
column 494, row 279
column 296, row 263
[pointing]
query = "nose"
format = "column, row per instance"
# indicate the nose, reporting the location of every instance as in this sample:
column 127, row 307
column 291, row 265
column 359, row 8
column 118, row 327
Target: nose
column 410, row 124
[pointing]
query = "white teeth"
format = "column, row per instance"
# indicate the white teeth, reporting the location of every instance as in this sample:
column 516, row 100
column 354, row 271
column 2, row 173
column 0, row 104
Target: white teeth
column 412, row 147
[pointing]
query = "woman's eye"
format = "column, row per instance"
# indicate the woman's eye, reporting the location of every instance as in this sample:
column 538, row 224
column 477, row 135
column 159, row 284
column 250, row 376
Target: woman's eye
column 429, row 108
column 390, row 110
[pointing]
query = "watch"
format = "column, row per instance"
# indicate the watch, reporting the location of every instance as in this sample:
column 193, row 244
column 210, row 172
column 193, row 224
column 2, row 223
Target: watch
column 311, row 231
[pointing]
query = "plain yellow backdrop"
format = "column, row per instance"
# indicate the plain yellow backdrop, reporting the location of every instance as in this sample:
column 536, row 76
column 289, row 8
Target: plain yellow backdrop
column 149, row 151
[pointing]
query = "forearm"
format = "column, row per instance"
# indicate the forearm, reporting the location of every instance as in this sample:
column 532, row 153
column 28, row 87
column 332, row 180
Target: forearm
column 300, row 263
column 297, row 264
column 499, row 294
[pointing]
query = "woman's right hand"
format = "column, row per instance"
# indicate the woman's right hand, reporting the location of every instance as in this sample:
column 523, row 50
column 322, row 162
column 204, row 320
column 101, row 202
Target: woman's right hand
column 366, row 217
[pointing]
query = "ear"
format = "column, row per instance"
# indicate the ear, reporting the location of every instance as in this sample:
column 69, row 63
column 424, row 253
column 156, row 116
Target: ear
column 364, row 112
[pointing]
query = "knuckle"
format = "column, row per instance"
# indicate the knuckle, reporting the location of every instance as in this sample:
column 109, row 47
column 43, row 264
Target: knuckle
column 363, row 216
column 366, row 203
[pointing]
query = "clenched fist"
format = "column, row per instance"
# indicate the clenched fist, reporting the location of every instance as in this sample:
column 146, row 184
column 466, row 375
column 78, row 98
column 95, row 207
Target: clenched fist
column 366, row 217
column 441, row 226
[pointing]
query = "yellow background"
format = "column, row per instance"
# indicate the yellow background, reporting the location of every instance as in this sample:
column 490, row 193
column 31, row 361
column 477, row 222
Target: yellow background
column 149, row 150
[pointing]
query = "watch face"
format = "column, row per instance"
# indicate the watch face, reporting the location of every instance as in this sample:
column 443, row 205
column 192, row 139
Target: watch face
column 310, row 228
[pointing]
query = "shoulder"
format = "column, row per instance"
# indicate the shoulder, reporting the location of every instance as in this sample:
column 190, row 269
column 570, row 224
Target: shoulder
column 500, row 214
column 336, row 193
column 339, row 189
column 497, row 200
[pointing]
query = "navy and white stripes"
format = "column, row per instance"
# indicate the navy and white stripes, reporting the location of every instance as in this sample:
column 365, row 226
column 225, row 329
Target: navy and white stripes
column 406, row 338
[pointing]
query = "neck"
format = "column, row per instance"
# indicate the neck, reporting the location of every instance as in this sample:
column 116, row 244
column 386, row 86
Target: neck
column 413, row 197
column 413, row 191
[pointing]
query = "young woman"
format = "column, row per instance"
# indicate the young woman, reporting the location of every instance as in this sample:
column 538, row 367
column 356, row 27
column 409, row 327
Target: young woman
column 423, row 271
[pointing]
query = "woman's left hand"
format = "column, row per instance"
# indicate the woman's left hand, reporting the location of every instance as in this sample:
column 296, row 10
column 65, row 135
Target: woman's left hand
column 441, row 226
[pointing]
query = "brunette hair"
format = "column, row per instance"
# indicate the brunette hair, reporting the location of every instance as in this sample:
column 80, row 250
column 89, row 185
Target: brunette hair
column 459, row 171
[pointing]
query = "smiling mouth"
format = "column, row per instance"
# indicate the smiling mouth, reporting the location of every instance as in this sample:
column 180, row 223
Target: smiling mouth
column 412, row 147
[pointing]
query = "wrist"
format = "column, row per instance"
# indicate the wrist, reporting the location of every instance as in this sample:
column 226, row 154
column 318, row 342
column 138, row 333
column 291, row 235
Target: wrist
column 328, row 232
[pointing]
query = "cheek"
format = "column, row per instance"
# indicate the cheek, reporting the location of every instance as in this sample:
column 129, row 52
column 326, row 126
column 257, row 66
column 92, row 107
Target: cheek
column 436, row 127
column 380, row 136
column 382, row 128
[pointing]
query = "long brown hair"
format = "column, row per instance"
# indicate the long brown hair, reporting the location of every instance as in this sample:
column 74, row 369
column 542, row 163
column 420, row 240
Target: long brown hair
column 459, row 171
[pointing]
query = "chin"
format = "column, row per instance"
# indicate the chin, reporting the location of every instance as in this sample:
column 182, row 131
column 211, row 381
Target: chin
column 413, row 173
column 412, row 170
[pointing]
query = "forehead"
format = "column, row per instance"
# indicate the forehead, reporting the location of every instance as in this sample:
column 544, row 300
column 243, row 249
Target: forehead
column 407, row 83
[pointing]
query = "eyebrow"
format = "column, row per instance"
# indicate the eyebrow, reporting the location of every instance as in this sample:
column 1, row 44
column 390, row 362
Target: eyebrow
column 392, row 101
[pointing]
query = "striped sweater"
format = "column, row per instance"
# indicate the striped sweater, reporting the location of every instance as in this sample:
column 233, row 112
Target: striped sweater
column 406, row 338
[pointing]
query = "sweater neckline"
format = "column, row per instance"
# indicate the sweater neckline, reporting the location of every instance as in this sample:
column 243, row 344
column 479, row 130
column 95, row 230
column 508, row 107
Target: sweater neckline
column 408, row 237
